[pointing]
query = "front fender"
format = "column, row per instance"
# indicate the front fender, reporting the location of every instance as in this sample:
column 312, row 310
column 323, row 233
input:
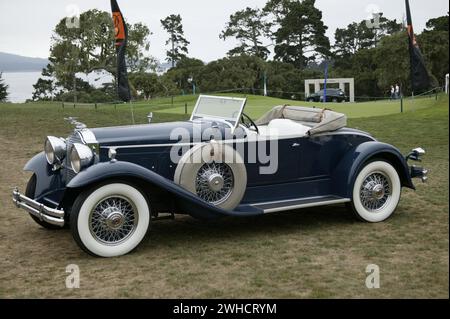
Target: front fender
column 347, row 170
column 48, row 182
column 191, row 203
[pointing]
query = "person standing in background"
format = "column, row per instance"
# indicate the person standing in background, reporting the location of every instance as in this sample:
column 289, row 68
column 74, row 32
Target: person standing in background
column 392, row 92
column 397, row 91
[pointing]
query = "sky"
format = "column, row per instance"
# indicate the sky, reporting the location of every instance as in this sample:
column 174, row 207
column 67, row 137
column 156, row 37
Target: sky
column 26, row 25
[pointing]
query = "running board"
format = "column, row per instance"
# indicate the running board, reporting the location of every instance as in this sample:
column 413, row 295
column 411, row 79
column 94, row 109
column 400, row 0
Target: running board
column 291, row 204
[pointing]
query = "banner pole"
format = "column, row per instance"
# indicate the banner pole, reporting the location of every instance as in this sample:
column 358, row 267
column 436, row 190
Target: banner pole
column 132, row 112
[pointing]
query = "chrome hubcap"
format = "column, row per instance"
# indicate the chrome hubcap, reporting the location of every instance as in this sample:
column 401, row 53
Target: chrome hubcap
column 214, row 182
column 376, row 191
column 113, row 220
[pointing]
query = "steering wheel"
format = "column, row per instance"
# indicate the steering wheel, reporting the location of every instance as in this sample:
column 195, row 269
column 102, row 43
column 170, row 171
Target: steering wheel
column 248, row 122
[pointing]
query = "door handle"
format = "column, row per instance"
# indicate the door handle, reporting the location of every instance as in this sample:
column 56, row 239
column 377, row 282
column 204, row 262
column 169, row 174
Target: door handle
column 295, row 145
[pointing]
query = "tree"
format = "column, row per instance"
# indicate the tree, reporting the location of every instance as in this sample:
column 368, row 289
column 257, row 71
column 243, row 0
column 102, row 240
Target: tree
column 249, row 27
column 3, row 89
column 350, row 40
column 300, row 37
column 392, row 62
column 285, row 81
column 173, row 25
column 138, row 45
column 434, row 44
column 238, row 72
column 438, row 24
column 363, row 67
column 43, row 90
column 45, row 87
column 91, row 48
column 435, row 47
column 361, row 35
column 186, row 73
column 385, row 27
column 145, row 83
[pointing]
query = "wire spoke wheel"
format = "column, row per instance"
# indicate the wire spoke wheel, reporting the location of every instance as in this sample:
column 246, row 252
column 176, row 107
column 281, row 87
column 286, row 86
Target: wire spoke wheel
column 113, row 220
column 376, row 191
column 214, row 182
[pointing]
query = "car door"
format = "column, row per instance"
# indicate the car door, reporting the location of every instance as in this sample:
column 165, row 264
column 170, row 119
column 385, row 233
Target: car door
column 319, row 155
column 279, row 164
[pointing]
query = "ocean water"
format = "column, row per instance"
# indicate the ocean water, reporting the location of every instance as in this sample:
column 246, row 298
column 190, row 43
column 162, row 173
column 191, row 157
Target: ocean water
column 20, row 85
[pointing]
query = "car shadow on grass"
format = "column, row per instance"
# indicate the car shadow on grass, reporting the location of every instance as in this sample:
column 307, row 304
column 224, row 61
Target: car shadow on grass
column 186, row 228
column 186, row 232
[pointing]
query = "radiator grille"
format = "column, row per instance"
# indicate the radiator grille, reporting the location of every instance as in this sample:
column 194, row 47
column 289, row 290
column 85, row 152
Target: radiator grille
column 74, row 138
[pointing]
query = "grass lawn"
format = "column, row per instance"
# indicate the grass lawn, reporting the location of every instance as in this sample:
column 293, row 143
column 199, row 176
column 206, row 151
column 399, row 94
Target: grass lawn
column 313, row 253
column 258, row 105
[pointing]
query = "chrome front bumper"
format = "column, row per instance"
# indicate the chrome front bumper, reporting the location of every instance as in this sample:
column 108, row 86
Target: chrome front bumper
column 419, row 172
column 44, row 213
column 415, row 171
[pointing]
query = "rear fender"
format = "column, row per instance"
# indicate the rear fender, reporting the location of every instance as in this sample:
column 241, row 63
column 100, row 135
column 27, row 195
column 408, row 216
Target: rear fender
column 351, row 164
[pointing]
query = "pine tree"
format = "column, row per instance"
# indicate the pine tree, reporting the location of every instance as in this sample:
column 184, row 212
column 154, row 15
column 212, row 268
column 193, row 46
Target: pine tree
column 300, row 37
column 173, row 25
column 250, row 28
column 3, row 89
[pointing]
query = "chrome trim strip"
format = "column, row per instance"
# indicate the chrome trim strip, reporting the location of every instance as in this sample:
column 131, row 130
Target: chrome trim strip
column 306, row 205
column 345, row 133
column 44, row 213
column 151, row 145
column 242, row 140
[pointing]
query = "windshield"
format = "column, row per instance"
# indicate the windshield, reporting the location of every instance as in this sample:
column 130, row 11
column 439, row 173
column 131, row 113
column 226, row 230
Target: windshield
column 218, row 107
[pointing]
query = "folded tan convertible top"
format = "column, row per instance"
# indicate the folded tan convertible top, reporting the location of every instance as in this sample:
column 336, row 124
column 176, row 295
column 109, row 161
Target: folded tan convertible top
column 320, row 120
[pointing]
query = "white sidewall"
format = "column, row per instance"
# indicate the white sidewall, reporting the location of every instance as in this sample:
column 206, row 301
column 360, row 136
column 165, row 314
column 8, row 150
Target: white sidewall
column 388, row 210
column 129, row 244
column 186, row 172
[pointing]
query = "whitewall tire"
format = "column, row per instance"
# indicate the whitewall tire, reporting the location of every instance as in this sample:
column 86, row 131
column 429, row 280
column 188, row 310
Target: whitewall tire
column 110, row 220
column 376, row 192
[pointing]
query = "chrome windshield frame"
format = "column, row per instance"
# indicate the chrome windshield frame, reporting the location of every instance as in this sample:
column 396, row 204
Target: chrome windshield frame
column 211, row 117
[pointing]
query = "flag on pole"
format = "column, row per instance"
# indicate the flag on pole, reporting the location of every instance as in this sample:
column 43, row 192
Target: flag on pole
column 121, row 36
column 420, row 80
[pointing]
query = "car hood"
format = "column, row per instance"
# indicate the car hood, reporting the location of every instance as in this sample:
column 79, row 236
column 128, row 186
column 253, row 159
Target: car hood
column 140, row 134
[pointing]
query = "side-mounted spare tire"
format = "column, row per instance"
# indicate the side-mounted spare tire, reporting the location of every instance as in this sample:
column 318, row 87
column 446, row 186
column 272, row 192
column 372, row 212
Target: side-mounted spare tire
column 215, row 172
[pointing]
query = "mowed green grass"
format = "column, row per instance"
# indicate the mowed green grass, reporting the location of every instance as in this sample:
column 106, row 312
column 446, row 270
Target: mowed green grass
column 257, row 105
column 312, row 253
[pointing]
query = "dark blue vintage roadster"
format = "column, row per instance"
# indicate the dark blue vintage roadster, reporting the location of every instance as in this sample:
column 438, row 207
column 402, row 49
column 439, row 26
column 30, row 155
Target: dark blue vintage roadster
column 109, row 184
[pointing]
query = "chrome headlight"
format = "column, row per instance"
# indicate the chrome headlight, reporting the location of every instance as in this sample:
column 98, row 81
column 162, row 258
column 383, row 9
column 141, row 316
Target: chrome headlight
column 81, row 156
column 55, row 150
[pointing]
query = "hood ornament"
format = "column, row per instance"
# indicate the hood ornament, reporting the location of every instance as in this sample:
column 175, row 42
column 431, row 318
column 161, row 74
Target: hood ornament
column 73, row 121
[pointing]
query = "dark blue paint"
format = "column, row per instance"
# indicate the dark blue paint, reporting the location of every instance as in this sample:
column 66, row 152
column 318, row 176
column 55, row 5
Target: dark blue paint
column 346, row 172
column 193, row 204
column 49, row 184
column 324, row 165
